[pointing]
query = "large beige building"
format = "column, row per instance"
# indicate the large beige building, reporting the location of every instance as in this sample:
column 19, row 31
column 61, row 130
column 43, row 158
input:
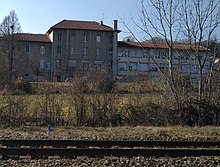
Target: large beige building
column 139, row 59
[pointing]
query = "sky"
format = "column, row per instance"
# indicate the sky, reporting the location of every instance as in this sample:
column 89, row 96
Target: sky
column 37, row 16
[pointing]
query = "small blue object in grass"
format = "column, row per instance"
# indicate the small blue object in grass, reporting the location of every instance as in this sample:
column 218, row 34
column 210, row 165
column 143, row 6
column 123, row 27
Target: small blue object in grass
column 49, row 129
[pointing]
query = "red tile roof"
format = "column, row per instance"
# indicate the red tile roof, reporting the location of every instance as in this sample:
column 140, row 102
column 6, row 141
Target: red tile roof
column 158, row 45
column 32, row 37
column 80, row 25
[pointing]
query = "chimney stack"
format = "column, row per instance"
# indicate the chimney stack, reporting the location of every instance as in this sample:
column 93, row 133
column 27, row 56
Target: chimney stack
column 101, row 23
column 115, row 25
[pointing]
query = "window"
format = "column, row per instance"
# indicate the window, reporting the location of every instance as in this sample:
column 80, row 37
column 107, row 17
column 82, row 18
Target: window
column 163, row 66
column 143, row 67
column 205, row 69
column 157, row 55
column 72, row 50
column 193, row 68
column 41, row 64
column 144, row 54
column 58, row 61
column 122, row 66
column 98, row 39
column 98, row 52
column 59, row 37
column 85, row 38
column 126, row 53
column 110, row 52
column 185, row 68
column 42, row 50
column 120, row 52
column 132, row 66
column 72, row 65
column 163, row 54
column 153, row 68
column 133, row 53
column 59, row 49
column 139, row 53
column 27, row 48
column 48, row 66
column 85, row 51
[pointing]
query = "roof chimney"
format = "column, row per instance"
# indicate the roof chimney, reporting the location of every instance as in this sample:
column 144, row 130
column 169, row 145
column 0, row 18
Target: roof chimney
column 101, row 23
column 115, row 25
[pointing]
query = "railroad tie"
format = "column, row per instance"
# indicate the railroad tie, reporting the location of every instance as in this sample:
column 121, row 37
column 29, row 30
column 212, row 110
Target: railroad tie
column 54, row 157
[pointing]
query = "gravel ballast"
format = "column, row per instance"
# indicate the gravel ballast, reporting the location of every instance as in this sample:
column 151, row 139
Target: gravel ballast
column 121, row 133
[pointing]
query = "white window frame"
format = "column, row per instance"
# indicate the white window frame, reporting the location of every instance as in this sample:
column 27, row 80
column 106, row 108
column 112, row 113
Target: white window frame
column 42, row 50
column 72, row 50
column 98, row 50
column 98, row 39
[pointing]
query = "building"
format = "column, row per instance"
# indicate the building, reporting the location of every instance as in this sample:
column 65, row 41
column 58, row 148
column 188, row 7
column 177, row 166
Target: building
column 67, row 48
column 71, row 47
column 78, row 44
column 35, row 52
column 143, row 59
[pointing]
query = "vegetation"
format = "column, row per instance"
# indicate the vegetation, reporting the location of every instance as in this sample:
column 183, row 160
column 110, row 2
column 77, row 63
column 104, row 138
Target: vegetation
column 80, row 102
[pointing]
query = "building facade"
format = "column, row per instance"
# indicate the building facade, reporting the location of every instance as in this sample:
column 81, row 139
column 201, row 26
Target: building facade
column 71, row 47
column 77, row 45
column 34, row 52
column 68, row 47
column 150, row 60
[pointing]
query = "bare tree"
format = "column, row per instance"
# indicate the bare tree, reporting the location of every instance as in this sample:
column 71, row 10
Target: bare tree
column 8, row 28
column 200, row 19
column 161, row 19
column 173, row 20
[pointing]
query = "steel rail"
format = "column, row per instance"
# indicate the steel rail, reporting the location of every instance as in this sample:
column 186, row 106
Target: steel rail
column 107, row 143
column 94, row 152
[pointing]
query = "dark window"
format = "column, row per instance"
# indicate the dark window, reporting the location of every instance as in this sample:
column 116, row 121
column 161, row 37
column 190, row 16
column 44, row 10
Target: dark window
column 59, row 49
column 27, row 49
column 110, row 52
column 59, row 61
column 59, row 37
column 98, row 52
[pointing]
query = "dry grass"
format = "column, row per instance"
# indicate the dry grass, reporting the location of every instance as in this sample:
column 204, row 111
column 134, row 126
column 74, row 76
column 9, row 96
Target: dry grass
column 139, row 132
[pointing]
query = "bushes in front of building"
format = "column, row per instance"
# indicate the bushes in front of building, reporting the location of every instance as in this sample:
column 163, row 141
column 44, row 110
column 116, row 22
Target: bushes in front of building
column 81, row 102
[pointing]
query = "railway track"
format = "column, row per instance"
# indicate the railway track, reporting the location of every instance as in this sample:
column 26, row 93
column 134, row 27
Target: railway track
column 73, row 148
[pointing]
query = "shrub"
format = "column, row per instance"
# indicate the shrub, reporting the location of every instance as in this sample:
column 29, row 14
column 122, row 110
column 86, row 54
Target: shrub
column 106, row 86
column 22, row 86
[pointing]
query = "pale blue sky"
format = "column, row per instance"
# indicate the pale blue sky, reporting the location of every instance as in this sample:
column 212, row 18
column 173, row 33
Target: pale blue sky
column 37, row 16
